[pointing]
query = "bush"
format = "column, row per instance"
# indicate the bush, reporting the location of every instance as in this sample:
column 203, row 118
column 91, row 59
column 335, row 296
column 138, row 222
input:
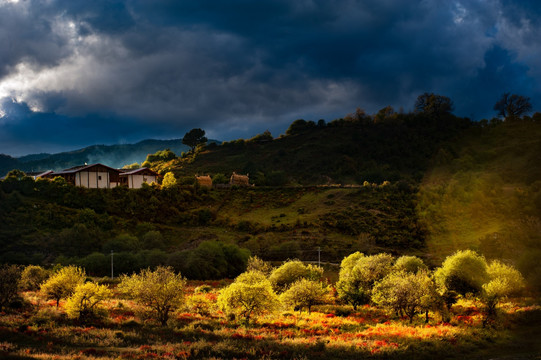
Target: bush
column 161, row 290
column 357, row 276
column 463, row 272
column 411, row 264
column 122, row 242
column 407, row 293
column 96, row 263
column 153, row 239
column 305, row 293
column 169, row 180
column 210, row 260
column 504, row 281
column 32, row 277
column 10, row 276
column 200, row 304
column 290, row 271
column 250, row 294
column 220, row 179
column 84, row 302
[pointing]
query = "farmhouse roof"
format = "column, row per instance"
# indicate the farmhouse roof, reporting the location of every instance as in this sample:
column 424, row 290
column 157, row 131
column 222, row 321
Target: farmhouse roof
column 77, row 169
column 38, row 174
column 142, row 171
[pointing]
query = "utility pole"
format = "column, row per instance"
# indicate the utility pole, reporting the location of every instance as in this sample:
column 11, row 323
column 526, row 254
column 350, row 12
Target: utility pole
column 112, row 273
column 319, row 256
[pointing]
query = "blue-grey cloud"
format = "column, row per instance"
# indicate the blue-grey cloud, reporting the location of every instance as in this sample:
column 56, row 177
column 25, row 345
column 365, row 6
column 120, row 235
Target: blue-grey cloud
column 108, row 70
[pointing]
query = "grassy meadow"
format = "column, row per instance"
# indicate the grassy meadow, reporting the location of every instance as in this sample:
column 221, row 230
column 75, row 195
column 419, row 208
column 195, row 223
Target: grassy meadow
column 125, row 331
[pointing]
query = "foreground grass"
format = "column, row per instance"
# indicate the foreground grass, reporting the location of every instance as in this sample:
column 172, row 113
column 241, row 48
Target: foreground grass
column 125, row 332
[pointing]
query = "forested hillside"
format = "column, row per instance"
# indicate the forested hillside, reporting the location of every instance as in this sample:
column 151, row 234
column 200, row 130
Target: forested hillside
column 423, row 183
column 47, row 222
column 388, row 146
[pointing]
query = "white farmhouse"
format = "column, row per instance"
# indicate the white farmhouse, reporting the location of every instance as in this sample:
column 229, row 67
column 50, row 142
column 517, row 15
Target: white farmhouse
column 134, row 179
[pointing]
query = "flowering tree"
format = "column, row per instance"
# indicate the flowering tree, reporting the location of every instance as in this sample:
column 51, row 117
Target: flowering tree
column 250, row 294
column 406, row 293
column 504, row 281
column 85, row 300
column 63, row 283
column 162, row 290
column 357, row 276
column 463, row 272
column 305, row 293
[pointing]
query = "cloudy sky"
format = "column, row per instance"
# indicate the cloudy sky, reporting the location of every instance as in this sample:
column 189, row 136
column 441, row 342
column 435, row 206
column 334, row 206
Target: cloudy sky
column 77, row 72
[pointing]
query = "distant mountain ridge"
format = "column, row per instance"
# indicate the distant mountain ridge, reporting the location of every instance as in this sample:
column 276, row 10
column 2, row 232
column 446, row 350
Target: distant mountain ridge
column 111, row 155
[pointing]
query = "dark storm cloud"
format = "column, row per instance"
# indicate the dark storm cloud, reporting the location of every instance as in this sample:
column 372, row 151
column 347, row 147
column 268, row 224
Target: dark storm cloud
column 117, row 69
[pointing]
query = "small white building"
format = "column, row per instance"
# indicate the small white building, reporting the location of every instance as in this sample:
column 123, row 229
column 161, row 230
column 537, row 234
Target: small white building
column 134, row 179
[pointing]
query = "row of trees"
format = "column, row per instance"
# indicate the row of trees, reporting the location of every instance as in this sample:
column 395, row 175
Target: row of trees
column 408, row 287
column 403, row 285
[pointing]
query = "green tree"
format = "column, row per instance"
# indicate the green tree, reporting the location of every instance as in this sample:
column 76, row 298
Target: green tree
column 16, row 174
column 169, row 180
column 158, row 156
column 297, row 127
column 10, row 276
column 385, row 115
column 85, row 300
column 463, row 272
column 406, row 293
column 504, row 281
column 349, row 286
column 433, row 104
column 153, row 239
column 220, row 179
column 161, row 290
column 33, row 276
column 358, row 273
column 193, row 138
column 133, row 166
column 511, row 107
column 96, row 263
column 264, row 137
column 257, row 264
column 63, row 283
column 250, row 294
column 290, row 271
column 305, row 293
column 410, row 264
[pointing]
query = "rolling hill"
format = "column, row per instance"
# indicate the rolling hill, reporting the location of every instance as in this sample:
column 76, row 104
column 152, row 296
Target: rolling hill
column 112, row 155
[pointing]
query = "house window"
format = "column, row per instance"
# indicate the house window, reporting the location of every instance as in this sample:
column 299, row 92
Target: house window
column 99, row 177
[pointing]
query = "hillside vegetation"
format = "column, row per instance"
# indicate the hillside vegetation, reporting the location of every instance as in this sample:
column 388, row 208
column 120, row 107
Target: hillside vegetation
column 419, row 183
column 47, row 222
column 352, row 150
column 486, row 195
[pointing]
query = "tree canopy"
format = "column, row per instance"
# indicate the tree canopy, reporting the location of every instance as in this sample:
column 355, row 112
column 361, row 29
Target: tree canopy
column 250, row 294
column 512, row 106
column 193, row 138
column 63, row 283
column 433, row 104
column 161, row 290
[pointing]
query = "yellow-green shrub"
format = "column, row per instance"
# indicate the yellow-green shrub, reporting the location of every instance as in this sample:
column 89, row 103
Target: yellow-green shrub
column 84, row 302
